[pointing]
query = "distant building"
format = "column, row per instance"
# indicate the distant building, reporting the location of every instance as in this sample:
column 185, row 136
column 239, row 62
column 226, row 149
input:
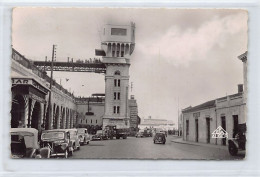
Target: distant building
column 157, row 124
column 91, row 110
column 133, row 109
column 199, row 122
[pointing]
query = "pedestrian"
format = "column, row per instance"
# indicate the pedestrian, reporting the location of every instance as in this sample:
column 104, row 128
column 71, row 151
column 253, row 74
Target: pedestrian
column 41, row 129
column 21, row 125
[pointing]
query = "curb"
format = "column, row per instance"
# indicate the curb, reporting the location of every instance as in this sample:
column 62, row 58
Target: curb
column 198, row 144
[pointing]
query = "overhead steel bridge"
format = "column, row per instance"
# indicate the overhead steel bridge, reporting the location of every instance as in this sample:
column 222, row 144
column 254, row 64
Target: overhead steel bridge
column 96, row 67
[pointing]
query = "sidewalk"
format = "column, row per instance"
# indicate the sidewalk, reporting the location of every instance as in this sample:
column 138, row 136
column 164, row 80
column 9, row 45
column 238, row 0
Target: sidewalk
column 181, row 141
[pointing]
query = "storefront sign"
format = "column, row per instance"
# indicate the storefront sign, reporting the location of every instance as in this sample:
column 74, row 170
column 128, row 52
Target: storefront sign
column 26, row 81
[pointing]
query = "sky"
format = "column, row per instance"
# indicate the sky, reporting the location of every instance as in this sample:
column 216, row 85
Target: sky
column 182, row 57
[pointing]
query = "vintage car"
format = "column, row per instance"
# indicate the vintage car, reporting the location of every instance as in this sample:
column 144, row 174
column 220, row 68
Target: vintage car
column 159, row 138
column 74, row 138
column 83, row 135
column 238, row 143
column 59, row 141
column 24, row 144
column 139, row 134
column 97, row 136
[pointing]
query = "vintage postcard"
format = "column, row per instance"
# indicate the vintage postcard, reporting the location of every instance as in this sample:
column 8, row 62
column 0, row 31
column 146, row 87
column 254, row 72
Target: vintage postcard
column 128, row 83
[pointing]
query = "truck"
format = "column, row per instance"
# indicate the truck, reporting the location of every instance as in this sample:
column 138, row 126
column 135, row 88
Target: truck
column 112, row 131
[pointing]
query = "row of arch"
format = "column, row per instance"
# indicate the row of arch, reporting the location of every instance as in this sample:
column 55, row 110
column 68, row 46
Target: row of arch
column 26, row 112
column 118, row 49
column 63, row 117
column 30, row 113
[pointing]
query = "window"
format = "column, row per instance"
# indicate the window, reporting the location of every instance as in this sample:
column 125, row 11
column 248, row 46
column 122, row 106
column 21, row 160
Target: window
column 114, row 109
column 113, row 53
column 118, row 82
column 86, row 121
column 117, row 53
column 91, row 120
column 116, row 95
column 118, row 31
column 122, row 53
column 117, row 73
column 80, row 120
column 115, row 82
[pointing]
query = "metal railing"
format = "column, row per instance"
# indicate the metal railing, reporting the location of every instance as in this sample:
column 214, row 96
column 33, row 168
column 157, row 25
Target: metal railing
column 29, row 65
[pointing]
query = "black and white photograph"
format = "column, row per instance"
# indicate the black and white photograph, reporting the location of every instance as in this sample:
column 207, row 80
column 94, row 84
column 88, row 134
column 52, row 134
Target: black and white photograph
column 128, row 83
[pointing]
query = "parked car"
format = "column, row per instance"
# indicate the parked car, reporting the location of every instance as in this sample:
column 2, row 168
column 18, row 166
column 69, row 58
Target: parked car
column 59, row 141
column 159, row 138
column 147, row 133
column 139, row 134
column 83, row 135
column 24, row 144
column 97, row 136
column 239, row 142
column 74, row 138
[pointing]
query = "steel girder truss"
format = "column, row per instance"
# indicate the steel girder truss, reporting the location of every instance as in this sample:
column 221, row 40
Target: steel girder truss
column 71, row 67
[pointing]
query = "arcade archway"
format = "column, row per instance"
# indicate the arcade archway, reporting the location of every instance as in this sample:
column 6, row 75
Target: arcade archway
column 36, row 115
column 17, row 111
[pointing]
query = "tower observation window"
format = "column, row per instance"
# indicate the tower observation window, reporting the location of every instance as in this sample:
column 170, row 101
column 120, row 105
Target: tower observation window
column 118, row 31
column 118, row 82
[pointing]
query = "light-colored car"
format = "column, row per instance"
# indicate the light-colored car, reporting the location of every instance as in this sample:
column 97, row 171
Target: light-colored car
column 74, row 138
column 83, row 135
column 24, row 144
column 139, row 134
column 97, row 136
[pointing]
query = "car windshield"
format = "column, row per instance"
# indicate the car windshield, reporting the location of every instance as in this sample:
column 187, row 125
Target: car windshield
column 81, row 130
column 53, row 135
column 159, row 134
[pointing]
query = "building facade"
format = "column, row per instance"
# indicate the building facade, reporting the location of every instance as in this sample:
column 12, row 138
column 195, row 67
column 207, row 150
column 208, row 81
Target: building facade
column 118, row 42
column 199, row 122
column 133, row 109
column 90, row 110
column 30, row 98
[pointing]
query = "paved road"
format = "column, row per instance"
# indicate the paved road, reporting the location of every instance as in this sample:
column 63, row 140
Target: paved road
column 144, row 148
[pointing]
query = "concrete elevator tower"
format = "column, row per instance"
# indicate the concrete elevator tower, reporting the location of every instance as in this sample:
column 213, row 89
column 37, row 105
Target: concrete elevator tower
column 117, row 45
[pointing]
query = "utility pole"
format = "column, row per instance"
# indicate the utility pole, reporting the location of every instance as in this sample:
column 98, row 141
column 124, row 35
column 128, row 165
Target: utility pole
column 178, row 119
column 50, row 106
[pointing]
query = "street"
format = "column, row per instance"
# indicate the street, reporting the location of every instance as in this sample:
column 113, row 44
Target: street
column 144, row 148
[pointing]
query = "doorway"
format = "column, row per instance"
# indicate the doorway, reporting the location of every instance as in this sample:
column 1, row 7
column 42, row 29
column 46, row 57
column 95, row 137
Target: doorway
column 208, row 129
column 36, row 115
column 197, row 130
column 187, row 129
column 235, row 125
column 17, row 111
column 223, row 125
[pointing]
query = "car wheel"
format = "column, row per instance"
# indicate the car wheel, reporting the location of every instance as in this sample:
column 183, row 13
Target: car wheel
column 87, row 142
column 70, row 153
column 78, row 148
column 232, row 149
